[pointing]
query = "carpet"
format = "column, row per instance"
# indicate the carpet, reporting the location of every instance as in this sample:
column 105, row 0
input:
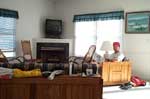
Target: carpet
column 114, row 92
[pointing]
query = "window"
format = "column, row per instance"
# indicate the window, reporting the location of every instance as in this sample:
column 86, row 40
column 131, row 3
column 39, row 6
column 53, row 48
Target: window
column 109, row 30
column 96, row 28
column 7, row 36
column 84, row 37
column 8, row 32
column 88, row 33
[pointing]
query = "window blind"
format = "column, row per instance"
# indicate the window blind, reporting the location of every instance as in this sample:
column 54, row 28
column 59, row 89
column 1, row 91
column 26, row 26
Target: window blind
column 99, row 16
column 9, row 13
column 8, row 31
column 8, row 36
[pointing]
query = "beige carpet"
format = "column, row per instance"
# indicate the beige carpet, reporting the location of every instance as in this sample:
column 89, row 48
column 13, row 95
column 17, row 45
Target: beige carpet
column 115, row 92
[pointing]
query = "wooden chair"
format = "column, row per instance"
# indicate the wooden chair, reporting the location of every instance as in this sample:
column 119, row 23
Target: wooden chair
column 26, row 49
column 3, row 59
column 27, row 52
column 89, row 55
column 86, row 59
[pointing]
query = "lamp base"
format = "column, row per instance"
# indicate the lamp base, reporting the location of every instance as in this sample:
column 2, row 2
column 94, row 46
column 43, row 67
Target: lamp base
column 106, row 56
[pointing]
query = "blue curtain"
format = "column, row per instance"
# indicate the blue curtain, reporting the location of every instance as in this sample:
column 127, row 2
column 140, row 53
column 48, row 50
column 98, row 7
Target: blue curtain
column 8, row 13
column 99, row 16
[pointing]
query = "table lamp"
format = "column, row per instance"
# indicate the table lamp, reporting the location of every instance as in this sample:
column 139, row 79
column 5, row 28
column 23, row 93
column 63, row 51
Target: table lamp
column 106, row 46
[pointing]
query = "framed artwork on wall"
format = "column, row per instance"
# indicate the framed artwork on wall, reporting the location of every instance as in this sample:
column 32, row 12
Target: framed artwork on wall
column 137, row 22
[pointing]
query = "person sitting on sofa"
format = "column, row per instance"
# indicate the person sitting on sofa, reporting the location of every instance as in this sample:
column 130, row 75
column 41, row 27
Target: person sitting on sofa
column 117, row 55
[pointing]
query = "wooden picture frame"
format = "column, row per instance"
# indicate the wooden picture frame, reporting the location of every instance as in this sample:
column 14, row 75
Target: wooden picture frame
column 137, row 22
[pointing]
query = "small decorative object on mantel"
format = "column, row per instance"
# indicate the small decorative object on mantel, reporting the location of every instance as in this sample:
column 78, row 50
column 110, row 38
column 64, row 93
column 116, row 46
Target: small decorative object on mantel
column 137, row 22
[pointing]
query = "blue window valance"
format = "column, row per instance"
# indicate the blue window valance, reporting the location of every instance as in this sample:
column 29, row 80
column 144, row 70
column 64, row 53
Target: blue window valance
column 99, row 16
column 8, row 13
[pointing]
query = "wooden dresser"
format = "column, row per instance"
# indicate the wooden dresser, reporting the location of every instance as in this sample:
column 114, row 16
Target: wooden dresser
column 116, row 72
column 62, row 87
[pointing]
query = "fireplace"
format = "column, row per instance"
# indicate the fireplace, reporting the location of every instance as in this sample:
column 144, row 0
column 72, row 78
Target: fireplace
column 53, row 52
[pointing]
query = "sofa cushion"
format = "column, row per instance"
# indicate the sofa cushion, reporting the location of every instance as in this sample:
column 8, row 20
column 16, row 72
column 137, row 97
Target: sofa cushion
column 50, row 67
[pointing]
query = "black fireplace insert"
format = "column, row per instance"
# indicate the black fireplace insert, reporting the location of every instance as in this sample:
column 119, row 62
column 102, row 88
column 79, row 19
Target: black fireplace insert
column 53, row 52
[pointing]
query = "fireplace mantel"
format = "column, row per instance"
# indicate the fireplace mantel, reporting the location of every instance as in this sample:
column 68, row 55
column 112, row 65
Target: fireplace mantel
column 47, row 40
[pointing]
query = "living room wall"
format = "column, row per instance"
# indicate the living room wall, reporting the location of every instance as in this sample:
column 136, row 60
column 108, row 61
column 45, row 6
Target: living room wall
column 136, row 46
column 32, row 14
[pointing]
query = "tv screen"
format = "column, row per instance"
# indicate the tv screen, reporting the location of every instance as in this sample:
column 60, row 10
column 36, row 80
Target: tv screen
column 53, row 27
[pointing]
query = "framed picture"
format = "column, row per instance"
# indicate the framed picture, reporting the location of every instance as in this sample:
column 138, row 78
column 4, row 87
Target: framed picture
column 137, row 22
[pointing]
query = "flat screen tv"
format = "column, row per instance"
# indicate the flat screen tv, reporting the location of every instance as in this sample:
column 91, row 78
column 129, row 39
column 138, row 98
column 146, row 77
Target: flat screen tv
column 53, row 28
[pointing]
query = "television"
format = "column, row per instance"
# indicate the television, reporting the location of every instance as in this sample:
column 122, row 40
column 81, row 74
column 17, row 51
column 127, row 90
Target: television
column 53, row 28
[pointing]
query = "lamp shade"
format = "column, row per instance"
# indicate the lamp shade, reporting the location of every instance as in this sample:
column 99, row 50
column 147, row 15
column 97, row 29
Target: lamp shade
column 106, row 46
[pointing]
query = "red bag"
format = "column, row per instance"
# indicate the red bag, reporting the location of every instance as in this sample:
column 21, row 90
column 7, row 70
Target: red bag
column 138, row 81
column 6, row 76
